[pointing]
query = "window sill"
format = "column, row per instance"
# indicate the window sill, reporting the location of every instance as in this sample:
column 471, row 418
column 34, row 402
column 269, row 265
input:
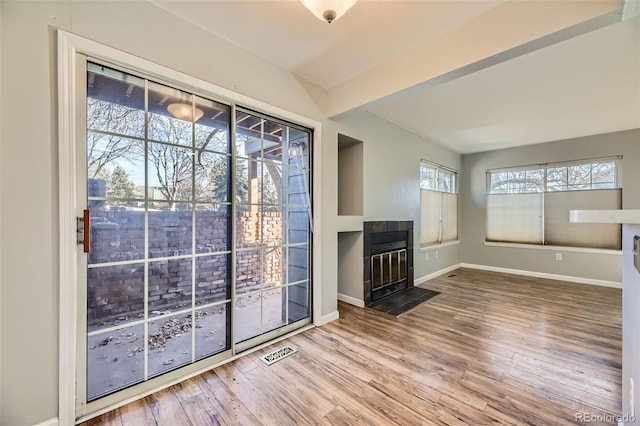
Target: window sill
column 438, row 246
column 556, row 248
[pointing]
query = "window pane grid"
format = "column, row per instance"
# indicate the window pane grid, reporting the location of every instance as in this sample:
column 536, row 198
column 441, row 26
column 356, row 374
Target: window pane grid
column 161, row 185
column 571, row 177
column 428, row 178
column 563, row 187
column 438, row 204
column 276, row 202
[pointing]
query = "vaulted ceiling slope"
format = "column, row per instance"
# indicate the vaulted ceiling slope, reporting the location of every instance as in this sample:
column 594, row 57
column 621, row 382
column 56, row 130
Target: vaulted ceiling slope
column 472, row 75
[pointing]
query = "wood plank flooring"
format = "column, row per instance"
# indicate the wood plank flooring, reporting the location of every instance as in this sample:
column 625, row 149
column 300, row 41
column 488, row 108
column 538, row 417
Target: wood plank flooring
column 491, row 349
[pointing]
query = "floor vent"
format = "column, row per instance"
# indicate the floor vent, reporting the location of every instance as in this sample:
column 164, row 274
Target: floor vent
column 276, row 356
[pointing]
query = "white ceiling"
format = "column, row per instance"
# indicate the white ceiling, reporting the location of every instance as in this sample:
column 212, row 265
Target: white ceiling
column 288, row 35
column 584, row 85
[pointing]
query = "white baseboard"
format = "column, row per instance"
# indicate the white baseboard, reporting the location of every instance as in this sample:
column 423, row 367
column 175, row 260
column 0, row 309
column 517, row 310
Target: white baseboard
column 433, row 275
column 326, row 318
column 50, row 422
column 580, row 280
column 351, row 300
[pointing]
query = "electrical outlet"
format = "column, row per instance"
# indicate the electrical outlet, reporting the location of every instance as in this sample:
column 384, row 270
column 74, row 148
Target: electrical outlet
column 437, row 254
column 426, row 256
column 558, row 256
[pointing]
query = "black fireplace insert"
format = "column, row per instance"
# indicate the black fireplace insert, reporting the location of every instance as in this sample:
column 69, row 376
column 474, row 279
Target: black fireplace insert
column 388, row 258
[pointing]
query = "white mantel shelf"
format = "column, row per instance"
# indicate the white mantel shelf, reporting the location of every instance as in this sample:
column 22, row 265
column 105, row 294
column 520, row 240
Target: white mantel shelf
column 604, row 216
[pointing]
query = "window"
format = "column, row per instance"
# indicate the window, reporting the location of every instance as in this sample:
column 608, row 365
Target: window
column 438, row 204
column 201, row 230
column 531, row 204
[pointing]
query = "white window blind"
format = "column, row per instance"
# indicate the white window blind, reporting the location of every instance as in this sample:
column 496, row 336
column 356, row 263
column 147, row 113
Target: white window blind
column 531, row 204
column 515, row 218
column 431, row 204
column 438, row 204
column 449, row 217
column 559, row 231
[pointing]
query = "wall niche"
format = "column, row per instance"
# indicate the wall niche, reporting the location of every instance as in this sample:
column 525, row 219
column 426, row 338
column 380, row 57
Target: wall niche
column 350, row 176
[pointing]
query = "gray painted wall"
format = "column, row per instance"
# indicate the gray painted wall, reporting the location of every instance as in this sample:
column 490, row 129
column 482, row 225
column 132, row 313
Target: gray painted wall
column 328, row 209
column 1, row 138
column 28, row 168
column 350, row 179
column 575, row 264
column 350, row 268
column 29, row 314
column 392, row 178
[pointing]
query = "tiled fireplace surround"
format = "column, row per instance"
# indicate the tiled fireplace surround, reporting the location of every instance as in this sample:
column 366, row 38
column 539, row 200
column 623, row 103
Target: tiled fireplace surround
column 377, row 227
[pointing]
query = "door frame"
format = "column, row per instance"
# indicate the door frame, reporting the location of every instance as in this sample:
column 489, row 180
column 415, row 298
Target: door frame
column 71, row 47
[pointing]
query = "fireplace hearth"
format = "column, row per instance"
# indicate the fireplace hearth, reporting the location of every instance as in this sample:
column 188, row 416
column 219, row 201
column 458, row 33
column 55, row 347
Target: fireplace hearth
column 388, row 258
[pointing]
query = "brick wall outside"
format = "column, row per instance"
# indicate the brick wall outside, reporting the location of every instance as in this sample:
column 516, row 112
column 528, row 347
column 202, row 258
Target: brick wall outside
column 117, row 292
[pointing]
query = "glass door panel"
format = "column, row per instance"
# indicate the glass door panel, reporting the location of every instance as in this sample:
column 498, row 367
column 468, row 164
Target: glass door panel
column 298, row 297
column 197, row 228
column 273, row 226
column 159, row 271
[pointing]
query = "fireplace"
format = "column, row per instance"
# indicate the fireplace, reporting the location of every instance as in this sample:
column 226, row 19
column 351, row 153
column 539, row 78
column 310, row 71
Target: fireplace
column 388, row 258
column 388, row 273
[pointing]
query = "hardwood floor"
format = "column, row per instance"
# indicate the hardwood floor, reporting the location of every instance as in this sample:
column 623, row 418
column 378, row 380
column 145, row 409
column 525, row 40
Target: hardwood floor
column 491, row 349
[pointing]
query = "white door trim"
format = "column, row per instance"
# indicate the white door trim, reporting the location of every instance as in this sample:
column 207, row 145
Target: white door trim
column 67, row 199
column 69, row 46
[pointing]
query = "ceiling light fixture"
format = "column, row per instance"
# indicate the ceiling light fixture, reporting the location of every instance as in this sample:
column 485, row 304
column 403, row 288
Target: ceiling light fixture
column 328, row 10
column 296, row 149
column 185, row 112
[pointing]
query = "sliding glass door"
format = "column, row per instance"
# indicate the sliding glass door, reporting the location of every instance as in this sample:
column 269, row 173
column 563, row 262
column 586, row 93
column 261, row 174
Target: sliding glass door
column 273, row 226
column 200, row 230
